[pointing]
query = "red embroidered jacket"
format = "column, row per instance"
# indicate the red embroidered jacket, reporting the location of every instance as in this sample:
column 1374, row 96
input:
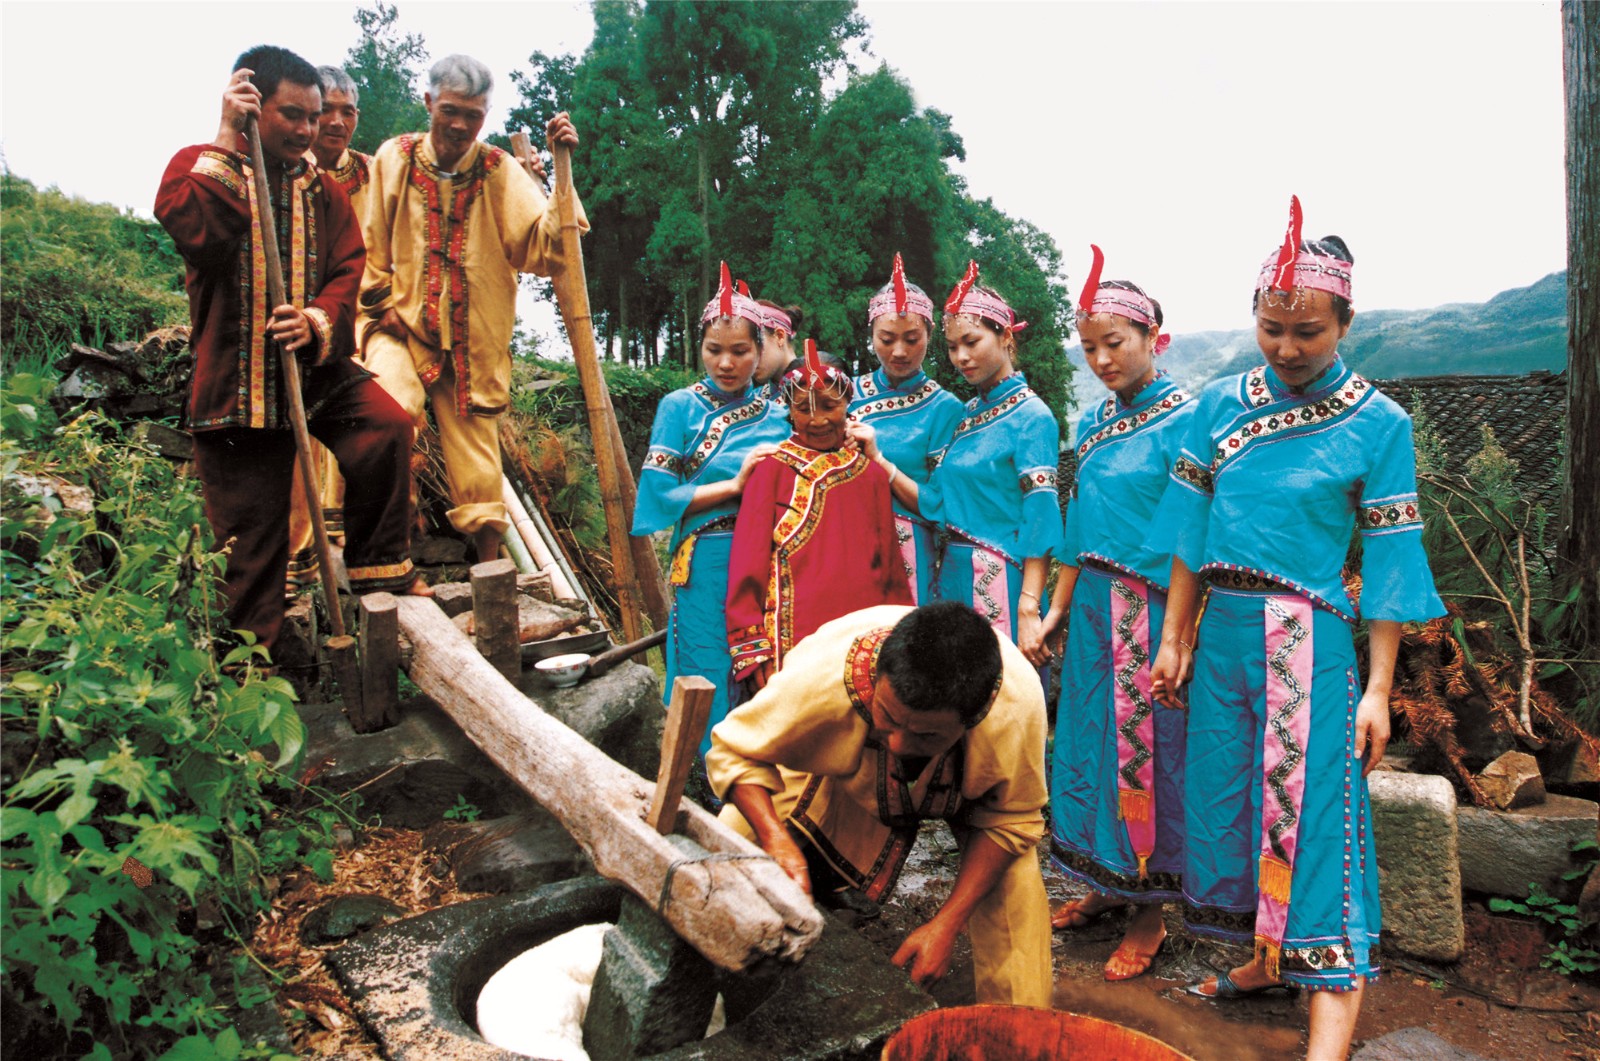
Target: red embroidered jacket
column 207, row 203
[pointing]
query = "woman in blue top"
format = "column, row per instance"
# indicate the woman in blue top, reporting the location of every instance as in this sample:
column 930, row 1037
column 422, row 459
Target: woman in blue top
column 1281, row 465
column 1116, row 788
column 705, row 442
column 912, row 415
column 994, row 485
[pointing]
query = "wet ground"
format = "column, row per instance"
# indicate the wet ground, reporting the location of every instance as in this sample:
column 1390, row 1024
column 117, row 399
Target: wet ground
column 1496, row 1003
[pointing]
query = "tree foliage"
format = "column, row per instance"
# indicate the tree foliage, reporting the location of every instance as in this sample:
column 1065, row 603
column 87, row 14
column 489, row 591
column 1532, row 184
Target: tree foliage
column 386, row 66
column 711, row 131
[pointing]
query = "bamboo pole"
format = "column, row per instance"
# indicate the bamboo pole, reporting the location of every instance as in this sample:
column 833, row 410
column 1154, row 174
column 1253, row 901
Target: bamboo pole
column 544, row 559
column 572, row 295
column 737, row 907
column 289, row 364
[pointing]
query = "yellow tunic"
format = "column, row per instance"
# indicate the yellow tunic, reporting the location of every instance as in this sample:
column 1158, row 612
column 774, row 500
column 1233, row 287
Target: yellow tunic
column 444, row 250
column 804, row 738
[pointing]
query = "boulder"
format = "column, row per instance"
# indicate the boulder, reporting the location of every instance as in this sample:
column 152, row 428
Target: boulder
column 347, row 916
column 432, row 551
column 1504, row 851
column 514, row 853
column 1419, row 872
column 1571, row 763
column 453, row 598
column 537, row 586
column 1513, row 780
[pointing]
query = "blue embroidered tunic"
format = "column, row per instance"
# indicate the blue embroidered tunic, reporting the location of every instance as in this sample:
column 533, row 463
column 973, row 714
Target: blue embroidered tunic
column 1274, row 483
column 701, row 435
column 995, row 483
column 1125, row 456
column 914, row 421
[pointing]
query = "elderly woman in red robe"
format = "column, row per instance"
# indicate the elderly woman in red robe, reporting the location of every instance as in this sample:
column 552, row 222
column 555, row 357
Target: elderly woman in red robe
column 815, row 535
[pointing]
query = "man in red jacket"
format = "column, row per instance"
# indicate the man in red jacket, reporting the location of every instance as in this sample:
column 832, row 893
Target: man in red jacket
column 238, row 408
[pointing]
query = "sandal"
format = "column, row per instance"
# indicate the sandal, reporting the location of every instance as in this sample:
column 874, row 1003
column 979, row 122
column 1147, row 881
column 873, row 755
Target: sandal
column 1227, row 990
column 1141, row 960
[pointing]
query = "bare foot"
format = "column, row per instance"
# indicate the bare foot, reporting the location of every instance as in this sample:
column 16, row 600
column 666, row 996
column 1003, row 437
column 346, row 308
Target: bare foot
column 1139, row 947
column 419, row 588
column 1079, row 912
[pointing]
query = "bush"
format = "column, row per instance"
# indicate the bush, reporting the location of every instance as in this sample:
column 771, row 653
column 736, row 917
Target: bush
column 75, row 271
column 126, row 739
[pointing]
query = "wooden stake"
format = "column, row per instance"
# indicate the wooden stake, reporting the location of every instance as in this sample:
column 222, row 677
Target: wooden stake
column 346, row 663
column 738, row 910
column 494, row 616
column 380, row 662
column 289, row 364
column 686, row 726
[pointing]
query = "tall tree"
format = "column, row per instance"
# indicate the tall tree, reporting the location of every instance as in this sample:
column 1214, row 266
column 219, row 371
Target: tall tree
column 1580, row 540
column 386, row 66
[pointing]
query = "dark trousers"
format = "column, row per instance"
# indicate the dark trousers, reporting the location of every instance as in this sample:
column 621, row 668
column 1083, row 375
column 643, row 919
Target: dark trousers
column 245, row 477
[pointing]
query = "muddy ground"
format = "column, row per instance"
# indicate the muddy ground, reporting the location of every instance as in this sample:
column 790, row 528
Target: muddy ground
column 1496, row 1003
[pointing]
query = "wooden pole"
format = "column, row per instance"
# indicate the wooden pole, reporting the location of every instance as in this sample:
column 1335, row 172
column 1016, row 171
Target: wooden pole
column 645, row 583
column 737, row 908
column 686, row 725
column 289, row 364
column 494, row 616
column 1580, row 502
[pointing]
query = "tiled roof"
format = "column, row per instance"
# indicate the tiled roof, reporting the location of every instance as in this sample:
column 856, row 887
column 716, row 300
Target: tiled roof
column 1527, row 413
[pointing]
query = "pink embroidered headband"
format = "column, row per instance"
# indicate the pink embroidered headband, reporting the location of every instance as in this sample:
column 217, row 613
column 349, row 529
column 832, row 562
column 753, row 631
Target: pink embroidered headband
column 899, row 299
column 971, row 300
column 1134, row 305
column 811, row 373
column 1292, row 267
column 730, row 303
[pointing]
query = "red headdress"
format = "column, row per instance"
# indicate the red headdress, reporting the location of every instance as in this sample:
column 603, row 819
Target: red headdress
column 1292, row 267
column 899, row 299
column 731, row 303
column 811, row 373
column 969, row 299
column 1134, row 305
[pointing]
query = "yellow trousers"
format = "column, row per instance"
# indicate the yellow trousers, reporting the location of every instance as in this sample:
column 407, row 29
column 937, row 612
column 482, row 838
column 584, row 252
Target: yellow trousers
column 471, row 443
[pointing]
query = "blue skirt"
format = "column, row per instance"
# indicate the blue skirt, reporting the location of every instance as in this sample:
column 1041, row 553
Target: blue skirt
column 697, row 634
column 1329, row 937
column 921, row 555
column 1090, row 838
column 982, row 579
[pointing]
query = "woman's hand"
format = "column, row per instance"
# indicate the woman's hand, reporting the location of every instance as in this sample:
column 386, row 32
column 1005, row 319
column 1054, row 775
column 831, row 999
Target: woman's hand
column 752, row 459
column 1030, row 638
column 1173, row 668
column 863, row 435
column 1372, row 729
column 759, row 677
column 1055, row 629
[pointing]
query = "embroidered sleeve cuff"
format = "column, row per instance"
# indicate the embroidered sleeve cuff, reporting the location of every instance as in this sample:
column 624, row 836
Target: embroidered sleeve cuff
column 1390, row 515
column 324, row 329
column 661, row 459
column 224, row 167
column 1035, row 479
column 1191, row 474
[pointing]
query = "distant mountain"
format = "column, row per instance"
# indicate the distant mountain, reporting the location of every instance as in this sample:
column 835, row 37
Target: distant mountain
column 1516, row 331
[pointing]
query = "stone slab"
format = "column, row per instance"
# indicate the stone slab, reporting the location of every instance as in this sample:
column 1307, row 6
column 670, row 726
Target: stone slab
column 1419, row 868
column 415, row 983
column 1503, row 851
column 1413, row 1044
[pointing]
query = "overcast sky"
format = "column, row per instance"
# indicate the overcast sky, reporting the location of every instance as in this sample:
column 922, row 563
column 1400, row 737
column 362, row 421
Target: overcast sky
column 1429, row 135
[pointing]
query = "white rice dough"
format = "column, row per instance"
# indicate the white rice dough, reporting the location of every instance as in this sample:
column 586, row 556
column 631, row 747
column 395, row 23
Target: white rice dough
column 535, row 1004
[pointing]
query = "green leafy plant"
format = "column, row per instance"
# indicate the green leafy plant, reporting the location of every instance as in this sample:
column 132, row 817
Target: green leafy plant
column 1572, row 949
column 463, row 811
column 146, row 803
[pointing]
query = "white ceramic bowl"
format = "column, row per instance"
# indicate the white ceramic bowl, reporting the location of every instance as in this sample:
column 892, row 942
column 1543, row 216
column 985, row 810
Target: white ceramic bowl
column 562, row 671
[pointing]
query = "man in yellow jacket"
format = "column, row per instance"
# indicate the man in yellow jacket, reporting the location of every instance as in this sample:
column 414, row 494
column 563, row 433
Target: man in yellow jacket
column 450, row 222
column 878, row 720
